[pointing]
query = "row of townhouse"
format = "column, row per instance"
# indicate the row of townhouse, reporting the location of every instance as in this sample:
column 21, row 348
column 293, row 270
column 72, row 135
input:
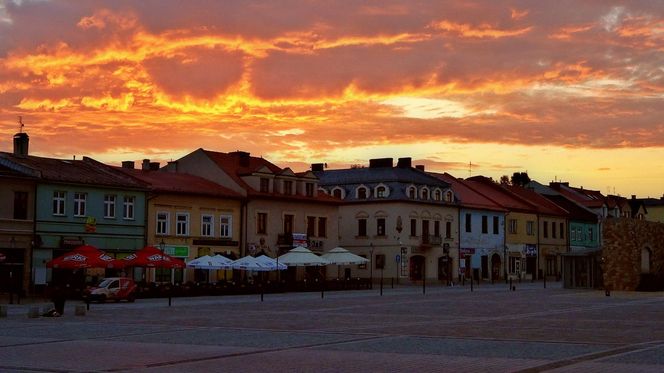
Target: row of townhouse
column 413, row 224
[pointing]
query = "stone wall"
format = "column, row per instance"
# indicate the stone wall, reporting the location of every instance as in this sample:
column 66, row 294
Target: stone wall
column 623, row 241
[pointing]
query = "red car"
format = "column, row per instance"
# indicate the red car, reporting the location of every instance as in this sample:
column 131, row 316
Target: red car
column 112, row 288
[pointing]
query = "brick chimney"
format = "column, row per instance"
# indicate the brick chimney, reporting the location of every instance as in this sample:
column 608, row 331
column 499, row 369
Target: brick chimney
column 21, row 141
column 128, row 164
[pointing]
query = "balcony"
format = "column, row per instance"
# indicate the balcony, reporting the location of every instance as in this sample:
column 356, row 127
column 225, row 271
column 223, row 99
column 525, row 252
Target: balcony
column 431, row 240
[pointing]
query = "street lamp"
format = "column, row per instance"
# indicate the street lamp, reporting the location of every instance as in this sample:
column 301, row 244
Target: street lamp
column 371, row 264
column 12, row 246
column 162, row 247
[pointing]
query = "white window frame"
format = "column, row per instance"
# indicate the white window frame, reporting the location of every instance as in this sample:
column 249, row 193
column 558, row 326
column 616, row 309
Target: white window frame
column 437, row 195
column 165, row 223
column 80, row 199
column 514, row 265
column 128, row 206
column 530, row 228
column 423, row 191
column 385, row 192
column 182, row 227
column 366, row 192
column 59, row 203
column 207, row 228
column 109, row 206
column 411, row 192
column 513, row 226
column 342, row 192
column 226, row 229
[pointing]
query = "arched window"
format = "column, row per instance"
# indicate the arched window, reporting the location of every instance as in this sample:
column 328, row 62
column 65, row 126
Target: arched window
column 425, row 193
column 438, row 195
column 412, row 192
column 381, row 192
column 362, row 193
column 449, row 197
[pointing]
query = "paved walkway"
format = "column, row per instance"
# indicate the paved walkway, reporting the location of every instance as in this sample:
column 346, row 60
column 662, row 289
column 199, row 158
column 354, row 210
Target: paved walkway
column 490, row 329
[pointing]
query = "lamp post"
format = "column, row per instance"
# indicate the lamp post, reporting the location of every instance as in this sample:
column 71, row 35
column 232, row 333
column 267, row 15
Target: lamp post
column 12, row 246
column 371, row 264
column 162, row 247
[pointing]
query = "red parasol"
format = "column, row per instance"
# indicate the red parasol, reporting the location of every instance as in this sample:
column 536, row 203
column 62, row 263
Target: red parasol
column 152, row 257
column 85, row 256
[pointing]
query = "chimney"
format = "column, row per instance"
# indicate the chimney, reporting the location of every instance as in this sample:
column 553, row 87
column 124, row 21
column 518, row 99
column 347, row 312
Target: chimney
column 633, row 196
column 380, row 162
column 154, row 166
column 172, row 166
column 145, row 165
column 317, row 167
column 244, row 157
column 128, row 164
column 420, row 167
column 21, row 141
column 404, row 162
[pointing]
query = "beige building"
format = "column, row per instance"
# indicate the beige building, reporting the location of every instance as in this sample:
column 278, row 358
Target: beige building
column 283, row 209
column 403, row 219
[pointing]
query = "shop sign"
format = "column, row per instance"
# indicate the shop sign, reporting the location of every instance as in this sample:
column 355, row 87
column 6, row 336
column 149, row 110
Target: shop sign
column 90, row 224
column 466, row 251
column 300, row 239
column 530, row 250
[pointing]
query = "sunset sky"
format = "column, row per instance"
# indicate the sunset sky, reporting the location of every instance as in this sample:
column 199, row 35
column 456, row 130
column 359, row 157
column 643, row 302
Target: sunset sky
column 565, row 90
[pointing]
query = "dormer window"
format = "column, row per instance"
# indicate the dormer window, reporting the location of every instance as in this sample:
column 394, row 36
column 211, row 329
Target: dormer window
column 288, row 187
column 449, row 197
column 361, row 193
column 381, row 191
column 338, row 193
column 438, row 195
column 309, row 189
column 412, row 192
column 265, row 185
column 425, row 193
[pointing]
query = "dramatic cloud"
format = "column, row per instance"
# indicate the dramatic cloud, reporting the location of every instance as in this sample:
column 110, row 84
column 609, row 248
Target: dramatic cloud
column 339, row 82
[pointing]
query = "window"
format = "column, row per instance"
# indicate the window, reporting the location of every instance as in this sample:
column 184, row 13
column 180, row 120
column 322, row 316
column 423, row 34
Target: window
column 20, row 205
column 425, row 230
column 265, row 185
column 309, row 189
column 411, row 192
column 438, row 195
column 362, row 227
column 448, row 229
column 322, row 227
column 362, row 193
column 485, row 224
column 380, row 227
column 448, row 197
column 545, row 229
column 413, row 227
column 591, row 235
column 182, row 224
column 288, row 223
column 425, row 194
column 513, row 226
column 553, row 229
column 337, row 193
column 562, row 230
column 109, row 206
column 496, row 225
column 207, row 226
column 162, row 223
column 261, row 223
column 381, row 192
column 311, row 226
column 530, row 228
column 468, row 223
column 226, row 226
column 436, row 228
column 128, row 207
column 79, row 204
column 288, row 187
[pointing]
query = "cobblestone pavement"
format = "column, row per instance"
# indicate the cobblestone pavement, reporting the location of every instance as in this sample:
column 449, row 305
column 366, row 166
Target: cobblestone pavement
column 490, row 329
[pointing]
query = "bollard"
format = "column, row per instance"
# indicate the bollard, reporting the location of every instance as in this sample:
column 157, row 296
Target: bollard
column 545, row 281
column 79, row 310
column 510, row 282
column 471, row 285
column 33, row 312
column 607, row 292
column 3, row 311
column 513, row 288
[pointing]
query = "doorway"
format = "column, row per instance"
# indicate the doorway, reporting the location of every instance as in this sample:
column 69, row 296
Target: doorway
column 495, row 267
column 416, row 267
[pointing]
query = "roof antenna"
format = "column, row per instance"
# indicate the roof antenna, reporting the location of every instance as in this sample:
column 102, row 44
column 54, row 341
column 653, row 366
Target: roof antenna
column 470, row 169
column 20, row 121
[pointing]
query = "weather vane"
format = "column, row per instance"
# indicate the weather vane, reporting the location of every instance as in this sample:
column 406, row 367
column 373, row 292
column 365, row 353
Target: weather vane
column 20, row 121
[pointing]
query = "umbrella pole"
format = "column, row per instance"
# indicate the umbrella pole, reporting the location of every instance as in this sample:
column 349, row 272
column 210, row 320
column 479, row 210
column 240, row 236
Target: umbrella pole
column 322, row 284
column 262, row 290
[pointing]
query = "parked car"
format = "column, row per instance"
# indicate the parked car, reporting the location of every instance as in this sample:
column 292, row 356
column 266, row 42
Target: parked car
column 112, row 288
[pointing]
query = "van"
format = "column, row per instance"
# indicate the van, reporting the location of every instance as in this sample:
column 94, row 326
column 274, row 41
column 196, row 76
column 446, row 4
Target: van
column 112, row 288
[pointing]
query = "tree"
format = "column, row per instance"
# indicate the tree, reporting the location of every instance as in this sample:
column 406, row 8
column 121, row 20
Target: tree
column 520, row 178
column 504, row 180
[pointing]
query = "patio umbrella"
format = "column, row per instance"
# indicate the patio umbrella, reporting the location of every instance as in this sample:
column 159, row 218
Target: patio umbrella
column 249, row 263
column 302, row 257
column 272, row 263
column 85, row 256
column 341, row 256
column 151, row 257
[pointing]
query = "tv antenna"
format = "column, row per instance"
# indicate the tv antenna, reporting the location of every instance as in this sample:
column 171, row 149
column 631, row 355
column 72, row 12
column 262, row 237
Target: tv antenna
column 470, row 169
column 20, row 121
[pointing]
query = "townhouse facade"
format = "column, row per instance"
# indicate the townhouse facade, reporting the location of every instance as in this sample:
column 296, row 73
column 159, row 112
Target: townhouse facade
column 401, row 218
column 482, row 232
column 188, row 216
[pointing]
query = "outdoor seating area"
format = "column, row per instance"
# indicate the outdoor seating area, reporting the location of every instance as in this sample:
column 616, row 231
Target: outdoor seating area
column 249, row 274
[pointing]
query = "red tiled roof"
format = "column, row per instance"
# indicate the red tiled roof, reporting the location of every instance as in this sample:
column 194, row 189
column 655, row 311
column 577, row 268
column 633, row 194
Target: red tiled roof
column 588, row 198
column 542, row 204
column 499, row 195
column 171, row 182
column 468, row 197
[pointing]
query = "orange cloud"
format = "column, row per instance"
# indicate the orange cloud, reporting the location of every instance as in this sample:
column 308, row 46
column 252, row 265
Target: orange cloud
column 482, row 31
